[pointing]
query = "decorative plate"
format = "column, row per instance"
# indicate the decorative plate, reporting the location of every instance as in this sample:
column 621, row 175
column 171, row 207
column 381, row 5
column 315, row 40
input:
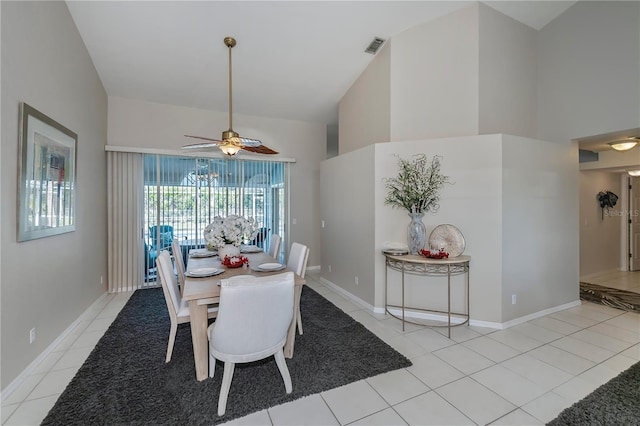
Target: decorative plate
column 395, row 252
column 447, row 238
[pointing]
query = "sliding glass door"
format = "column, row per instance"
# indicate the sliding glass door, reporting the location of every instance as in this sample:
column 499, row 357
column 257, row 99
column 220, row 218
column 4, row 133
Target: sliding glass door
column 182, row 195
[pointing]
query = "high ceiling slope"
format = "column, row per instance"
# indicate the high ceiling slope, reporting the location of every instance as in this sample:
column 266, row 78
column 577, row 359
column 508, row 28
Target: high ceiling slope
column 294, row 60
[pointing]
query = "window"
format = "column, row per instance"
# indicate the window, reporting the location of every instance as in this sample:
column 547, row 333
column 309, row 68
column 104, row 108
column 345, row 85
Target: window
column 182, row 195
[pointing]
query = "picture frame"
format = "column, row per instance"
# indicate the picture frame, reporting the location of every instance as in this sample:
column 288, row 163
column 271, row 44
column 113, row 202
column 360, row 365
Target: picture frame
column 46, row 176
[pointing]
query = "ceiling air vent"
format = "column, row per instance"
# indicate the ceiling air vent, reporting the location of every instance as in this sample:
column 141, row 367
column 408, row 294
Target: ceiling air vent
column 374, row 46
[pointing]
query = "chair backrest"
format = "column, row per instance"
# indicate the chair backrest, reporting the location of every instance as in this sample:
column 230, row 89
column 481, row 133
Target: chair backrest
column 254, row 314
column 177, row 260
column 274, row 246
column 161, row 236
column 169, row 283
column 260, row 238
column 298, row 257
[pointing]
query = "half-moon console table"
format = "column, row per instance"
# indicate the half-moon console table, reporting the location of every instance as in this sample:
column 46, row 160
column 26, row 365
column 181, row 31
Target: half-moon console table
column 420, row 265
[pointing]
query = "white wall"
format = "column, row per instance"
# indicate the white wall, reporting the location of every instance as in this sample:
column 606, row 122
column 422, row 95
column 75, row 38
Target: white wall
column 589, row 71
column 509, row 214
column 472, row 203
column 47, row 283
column 434, row 78
column 348, row 207
column 143, row 124
column 365, row 109
column 470, row 72
column 600, row 236
column 507, row 70
column 540, row 250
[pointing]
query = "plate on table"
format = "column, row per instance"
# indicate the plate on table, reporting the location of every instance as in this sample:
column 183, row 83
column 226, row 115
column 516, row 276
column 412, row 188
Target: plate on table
column 265, row 267
column 203, row 272
column 447, row 238
column 203, row 253
column 250, row 249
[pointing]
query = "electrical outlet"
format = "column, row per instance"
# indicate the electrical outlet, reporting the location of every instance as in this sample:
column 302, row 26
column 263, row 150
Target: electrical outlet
column 329, row 268
column 356, row 280
column 513, row 299
column 32, row 335
column 323, row 223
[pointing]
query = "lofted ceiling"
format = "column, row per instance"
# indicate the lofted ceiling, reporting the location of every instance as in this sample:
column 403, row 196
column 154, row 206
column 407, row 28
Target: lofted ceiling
column 294, row 59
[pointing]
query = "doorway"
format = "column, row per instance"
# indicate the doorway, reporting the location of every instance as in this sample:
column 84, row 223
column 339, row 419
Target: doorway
column 606, row 237
column 634, row 224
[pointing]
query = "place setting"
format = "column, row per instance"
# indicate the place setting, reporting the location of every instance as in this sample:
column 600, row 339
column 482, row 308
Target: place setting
column 268, row 267
column 201, row 253
column 250, row 249
column 203, row 272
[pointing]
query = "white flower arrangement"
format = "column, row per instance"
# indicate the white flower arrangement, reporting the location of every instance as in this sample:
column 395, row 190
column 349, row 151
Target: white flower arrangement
column 233, row 229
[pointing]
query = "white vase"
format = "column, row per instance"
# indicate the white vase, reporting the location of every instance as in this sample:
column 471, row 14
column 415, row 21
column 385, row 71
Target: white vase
column 228, row 250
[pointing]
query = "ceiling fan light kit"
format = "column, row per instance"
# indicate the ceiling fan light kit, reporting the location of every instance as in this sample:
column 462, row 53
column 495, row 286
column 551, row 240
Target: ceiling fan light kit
column 231, row 143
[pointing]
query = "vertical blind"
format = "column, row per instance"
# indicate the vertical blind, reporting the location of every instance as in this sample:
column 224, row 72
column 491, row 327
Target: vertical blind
column 125, row 263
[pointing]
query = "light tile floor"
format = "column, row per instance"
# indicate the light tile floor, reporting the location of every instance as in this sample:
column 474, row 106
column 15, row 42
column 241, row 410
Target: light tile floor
column 620, row 280
column 524, row 375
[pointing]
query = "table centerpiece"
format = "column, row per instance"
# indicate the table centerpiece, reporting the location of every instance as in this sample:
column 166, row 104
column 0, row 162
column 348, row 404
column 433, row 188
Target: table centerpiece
column 228, row 233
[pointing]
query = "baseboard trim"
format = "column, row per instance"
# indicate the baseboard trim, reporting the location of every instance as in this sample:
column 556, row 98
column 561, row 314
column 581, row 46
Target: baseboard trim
column 454, row 320
column 539, row 314
column 11, row 387
column 350, row 296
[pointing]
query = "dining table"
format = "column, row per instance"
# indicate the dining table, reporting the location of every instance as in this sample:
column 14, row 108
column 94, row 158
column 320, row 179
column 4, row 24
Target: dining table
column 200, row 292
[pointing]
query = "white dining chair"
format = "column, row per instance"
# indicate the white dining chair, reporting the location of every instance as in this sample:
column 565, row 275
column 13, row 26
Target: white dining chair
column 253, row 323
column 298, row 257
column 178, row 308
column 179, row 263
column 274, row 246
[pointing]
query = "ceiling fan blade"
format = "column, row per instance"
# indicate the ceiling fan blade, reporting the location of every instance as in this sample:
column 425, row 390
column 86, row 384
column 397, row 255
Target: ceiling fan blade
column 203, row 138
column 250, row 142
column 202, row 145
column 260, row 149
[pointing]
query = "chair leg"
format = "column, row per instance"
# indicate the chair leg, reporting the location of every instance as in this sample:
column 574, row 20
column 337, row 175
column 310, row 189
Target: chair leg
column 284, row 371
column 226, row 384
column 299, row 321
column 172, row 339
column 212, row 365
column 297, row 308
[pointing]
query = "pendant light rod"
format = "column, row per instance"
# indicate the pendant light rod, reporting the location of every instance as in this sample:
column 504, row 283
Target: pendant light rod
column 230, row 42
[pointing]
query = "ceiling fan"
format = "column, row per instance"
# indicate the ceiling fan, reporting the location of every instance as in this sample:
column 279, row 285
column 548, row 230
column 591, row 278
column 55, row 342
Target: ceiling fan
column 231, row 142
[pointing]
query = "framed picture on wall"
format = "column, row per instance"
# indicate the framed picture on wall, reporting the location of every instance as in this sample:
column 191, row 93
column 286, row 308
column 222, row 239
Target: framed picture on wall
column 47, row 176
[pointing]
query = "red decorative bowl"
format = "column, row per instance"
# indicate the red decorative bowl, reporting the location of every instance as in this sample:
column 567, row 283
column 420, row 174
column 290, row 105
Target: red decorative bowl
column 235, row 261
column 434, row 254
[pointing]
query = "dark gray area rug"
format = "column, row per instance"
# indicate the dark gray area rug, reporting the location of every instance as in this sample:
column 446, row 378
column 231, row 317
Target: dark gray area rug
column 617, row 402
column 620, row 299
column 125, row 380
